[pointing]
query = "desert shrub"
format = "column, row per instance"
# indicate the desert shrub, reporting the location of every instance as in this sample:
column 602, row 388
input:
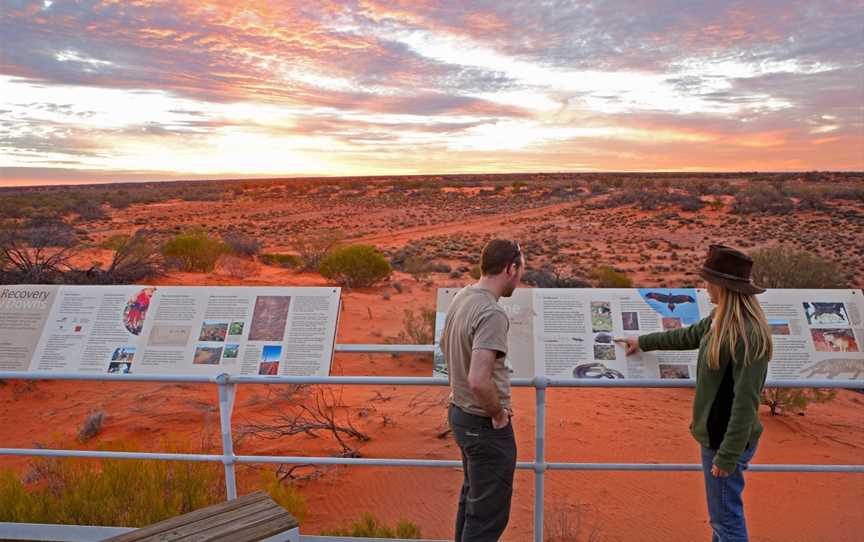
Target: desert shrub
column 36, row 252
column 286, row 495
column 783, row 267
column 135, row 258
column 237, row 267
column 597, row 187
column 89, row 210
column 86, row 492
column 280, row 260
column 368, row 526
column 761, row 198
column 193, row 251
column 794, row 400
column 242, row 244
column 475, row 272
column 417, row 266
column 440, row 267
column 355, row 266
column 419, row 327
column 314, row 247
column 607, row 277
column 92, row 426
column 552, row 278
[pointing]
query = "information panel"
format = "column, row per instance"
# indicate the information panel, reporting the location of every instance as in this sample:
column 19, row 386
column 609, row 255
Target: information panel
column 568, row 333
column 168, row 330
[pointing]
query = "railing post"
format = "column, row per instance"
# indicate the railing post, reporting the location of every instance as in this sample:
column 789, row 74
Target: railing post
column 227, row 392
column 540, row 384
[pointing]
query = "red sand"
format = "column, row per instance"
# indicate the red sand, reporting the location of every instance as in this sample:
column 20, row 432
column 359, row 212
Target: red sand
column 582, row 425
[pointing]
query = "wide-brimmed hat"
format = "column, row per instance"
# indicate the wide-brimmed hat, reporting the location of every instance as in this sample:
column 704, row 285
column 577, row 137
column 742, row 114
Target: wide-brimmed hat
column 729, row 268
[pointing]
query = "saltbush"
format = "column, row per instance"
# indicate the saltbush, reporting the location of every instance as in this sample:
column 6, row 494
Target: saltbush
column 368, row 526
column 607, row 277
column 355, row 266
column 784, row 267
column 193, row 251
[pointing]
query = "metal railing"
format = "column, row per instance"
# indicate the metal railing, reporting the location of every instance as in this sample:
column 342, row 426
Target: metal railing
column 227, row 386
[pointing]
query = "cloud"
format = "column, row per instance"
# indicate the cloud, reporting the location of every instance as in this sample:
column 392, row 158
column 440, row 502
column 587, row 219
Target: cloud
column 365, row 84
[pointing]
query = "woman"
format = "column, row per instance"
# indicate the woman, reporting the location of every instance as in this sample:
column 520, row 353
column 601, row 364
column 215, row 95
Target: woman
column 734, row 344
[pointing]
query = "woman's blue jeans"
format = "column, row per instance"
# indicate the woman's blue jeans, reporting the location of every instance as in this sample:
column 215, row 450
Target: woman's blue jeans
column 725, row 506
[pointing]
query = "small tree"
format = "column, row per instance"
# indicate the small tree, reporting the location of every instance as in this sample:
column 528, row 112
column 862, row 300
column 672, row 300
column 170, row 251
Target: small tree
column 356, row 266
column 783, row 267
column 194, row 251
column 783, row 400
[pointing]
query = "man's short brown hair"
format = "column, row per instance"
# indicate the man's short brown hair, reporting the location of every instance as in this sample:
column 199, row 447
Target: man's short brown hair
column 498, row 254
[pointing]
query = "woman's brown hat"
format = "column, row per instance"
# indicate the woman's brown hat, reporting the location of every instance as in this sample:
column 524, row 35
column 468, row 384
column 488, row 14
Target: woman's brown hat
column 729, row 268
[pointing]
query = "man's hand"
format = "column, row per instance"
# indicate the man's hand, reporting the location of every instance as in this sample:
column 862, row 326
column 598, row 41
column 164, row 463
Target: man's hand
column 630, row 344
column 717, row 472
column 501, row 420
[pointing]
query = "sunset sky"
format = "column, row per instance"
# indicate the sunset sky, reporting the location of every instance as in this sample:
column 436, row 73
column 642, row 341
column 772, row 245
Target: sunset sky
column 141, row 89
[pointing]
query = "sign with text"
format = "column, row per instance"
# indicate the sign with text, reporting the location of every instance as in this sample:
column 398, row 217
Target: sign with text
column 168, row 330
column 568, row 333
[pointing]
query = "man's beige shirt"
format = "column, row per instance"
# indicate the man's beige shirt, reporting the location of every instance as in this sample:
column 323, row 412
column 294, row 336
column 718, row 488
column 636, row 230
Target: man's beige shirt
column 475, row 321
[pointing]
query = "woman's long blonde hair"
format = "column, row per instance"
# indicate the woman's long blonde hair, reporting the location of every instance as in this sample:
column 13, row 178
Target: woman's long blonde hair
column 730, row 324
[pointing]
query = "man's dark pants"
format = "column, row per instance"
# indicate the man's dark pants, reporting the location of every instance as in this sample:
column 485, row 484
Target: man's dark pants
column 488, row 463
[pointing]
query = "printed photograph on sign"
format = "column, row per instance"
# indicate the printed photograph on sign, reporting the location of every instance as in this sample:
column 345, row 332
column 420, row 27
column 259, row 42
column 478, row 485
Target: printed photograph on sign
column 779, row 327
column 674, row 370
column 236, row 328
column 824, row 313
column 269, row 318
column 121, row 360
column 213, row 331
column 207, row 355
column 136, row 310
column 270, row 356
column 673, row 303
column 834, row 340
column 604, row 352
column 671, row 322
column 595, row 370
column 230, row 351
column 601, row 316
column 630, row 321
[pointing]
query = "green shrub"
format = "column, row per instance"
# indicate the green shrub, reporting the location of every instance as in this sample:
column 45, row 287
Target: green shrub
column 475, row 272
column 609, row 278
column 783, row 267
column 123, row 492
column 193, row 251
column 355, row 266
column 761, row 198
column 368, row 526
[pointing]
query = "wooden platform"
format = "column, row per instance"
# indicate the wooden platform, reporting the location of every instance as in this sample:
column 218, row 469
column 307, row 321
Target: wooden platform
column 250, row 518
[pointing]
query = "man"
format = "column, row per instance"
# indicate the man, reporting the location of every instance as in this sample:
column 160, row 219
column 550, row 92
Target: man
column 474, row 343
